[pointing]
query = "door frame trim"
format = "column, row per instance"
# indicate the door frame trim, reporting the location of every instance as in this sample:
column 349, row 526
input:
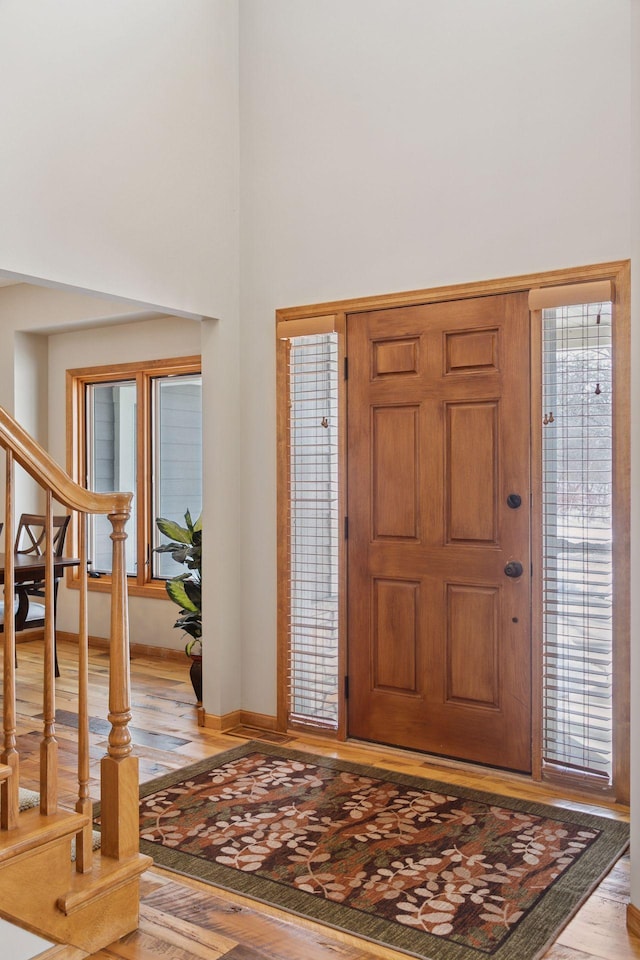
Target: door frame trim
column 616, row 271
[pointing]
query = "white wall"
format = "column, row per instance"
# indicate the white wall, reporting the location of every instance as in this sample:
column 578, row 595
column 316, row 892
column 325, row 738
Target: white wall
column 401, row 145
column 385, row 143
column 30, row 405
column 119, row 147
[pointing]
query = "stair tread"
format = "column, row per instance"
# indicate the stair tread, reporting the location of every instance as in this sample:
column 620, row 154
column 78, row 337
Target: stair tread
column 105, row 876
column 34, row 829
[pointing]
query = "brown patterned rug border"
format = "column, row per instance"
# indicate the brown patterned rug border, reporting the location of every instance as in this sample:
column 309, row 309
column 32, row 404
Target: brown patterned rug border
column 533, row 934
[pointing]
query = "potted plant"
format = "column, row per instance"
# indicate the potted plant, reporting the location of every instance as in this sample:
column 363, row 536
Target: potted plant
column 185, row 589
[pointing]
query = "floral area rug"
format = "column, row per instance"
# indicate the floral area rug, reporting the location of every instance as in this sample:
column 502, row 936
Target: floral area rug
column 436, row 871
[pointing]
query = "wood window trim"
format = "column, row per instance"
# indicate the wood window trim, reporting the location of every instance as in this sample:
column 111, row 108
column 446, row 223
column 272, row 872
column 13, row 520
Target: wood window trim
column 335, row 322
column 143, row 373
column 619, row 273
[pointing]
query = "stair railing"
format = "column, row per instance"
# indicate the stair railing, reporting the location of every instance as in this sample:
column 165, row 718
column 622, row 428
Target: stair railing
column 119, row 768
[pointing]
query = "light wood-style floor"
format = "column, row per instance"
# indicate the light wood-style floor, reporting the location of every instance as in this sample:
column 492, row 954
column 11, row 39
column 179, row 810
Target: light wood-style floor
column 182, row 919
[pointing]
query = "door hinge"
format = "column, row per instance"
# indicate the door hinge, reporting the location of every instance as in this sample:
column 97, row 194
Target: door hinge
column 346, row 688
column 346, row 528
column 346, row 368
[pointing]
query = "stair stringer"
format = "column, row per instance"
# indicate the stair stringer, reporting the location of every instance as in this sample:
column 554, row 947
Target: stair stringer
column 41, row 890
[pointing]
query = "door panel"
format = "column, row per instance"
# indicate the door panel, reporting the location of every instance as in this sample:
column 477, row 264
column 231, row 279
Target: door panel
column 471, row 448
column 438, row 436
column 394, row 440
column 472, row 667
column 396, row 651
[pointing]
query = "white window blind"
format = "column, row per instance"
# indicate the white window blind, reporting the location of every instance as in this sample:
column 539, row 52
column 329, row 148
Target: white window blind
column 313, row 528
column 577, row 539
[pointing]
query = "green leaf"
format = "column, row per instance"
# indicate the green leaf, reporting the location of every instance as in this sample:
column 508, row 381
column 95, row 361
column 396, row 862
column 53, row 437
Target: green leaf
column 173, row 530
column 181, row 552
column 194, row 592
column 191, row 624
column 191, row 526
column 178, row 593
column 168, row 548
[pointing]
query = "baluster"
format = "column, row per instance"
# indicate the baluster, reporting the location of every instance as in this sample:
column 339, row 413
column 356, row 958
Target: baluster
column 49, row 744
column 84, row 852
column 119, row 769
column 10, row 787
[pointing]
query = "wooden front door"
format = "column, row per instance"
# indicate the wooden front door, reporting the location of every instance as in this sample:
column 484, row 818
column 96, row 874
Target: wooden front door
column 438, row 522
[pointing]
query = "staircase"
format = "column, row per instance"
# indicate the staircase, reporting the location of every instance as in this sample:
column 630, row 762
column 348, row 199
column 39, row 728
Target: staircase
column 93, row 901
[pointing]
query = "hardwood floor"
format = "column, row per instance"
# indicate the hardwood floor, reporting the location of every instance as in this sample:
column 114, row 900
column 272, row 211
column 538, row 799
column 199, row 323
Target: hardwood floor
column 181, row 919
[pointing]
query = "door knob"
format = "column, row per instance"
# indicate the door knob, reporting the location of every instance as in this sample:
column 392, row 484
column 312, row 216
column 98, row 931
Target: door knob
column 513, row 568
column 514, row 500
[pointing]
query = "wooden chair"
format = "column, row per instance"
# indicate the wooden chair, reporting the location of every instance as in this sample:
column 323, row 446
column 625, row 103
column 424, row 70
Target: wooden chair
column 30, row 537
column 30, row 540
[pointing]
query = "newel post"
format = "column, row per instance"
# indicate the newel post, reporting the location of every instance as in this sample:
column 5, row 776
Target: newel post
column 119, row 768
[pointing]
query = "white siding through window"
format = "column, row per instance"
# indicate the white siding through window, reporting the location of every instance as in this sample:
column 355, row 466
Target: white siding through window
column 177, row 458
column 111, row 463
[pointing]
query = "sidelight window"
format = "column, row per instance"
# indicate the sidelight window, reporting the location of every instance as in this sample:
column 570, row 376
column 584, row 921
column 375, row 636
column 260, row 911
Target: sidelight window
column 311, row 523
column 577, row 506
column 313, row 610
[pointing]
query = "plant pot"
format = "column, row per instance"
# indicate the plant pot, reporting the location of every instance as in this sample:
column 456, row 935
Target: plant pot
column 195, row 673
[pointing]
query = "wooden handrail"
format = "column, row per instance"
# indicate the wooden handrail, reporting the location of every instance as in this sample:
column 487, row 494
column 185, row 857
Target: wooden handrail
column 43, row 468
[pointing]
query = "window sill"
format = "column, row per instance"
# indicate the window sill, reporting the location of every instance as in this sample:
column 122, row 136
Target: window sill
column 154, row 590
